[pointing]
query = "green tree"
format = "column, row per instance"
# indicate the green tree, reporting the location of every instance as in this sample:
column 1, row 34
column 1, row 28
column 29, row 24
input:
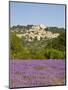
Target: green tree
column 15, row 44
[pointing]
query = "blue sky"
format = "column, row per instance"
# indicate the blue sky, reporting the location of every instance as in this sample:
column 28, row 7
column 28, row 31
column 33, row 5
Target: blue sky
column 29, row 13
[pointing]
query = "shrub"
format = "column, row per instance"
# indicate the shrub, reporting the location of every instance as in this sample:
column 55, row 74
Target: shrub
column 54, row 54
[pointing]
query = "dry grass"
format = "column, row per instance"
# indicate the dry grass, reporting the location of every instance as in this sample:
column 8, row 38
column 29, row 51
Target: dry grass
column 40, row 67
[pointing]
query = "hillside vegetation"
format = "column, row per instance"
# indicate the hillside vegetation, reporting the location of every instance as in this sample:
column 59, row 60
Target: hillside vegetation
column 45, row 43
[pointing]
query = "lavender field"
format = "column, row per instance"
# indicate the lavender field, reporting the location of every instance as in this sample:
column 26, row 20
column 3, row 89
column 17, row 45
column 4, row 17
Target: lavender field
column 28, row 73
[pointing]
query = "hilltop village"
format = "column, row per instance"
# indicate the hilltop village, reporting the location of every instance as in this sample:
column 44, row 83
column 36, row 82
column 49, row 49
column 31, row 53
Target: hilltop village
column 36, row 31
column 37, row 42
